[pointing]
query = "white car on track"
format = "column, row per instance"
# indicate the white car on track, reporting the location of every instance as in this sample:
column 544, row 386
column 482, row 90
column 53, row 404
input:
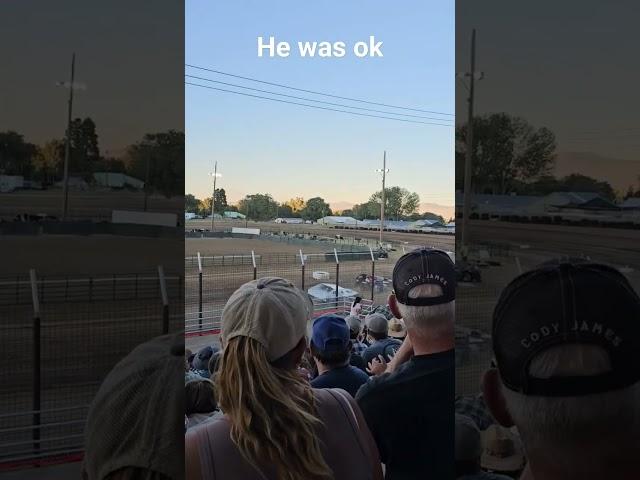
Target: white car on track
column 326, row 292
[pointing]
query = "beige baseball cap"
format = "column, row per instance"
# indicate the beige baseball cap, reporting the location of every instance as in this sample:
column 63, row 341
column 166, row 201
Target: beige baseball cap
column 270, row 310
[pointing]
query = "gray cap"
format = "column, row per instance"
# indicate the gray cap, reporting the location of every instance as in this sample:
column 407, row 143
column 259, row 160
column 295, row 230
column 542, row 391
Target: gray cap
column 355, row 324
column 135, row 419
column 377, row 323
column 468, row 441
column 270, row 310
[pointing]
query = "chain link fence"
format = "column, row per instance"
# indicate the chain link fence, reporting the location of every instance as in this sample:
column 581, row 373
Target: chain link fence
column 61, row 337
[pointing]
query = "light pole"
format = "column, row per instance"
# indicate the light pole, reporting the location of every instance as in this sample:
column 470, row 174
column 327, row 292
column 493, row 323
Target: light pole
column 384, row 170
column 466, row 206
column 215, row 176
column 67, row 145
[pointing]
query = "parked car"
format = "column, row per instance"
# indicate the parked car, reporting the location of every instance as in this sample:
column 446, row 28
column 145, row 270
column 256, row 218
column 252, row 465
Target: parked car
column 326, row 292
column 467, row 273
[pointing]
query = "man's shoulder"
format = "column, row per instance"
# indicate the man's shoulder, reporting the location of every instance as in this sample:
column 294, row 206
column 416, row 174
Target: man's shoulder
column 407, row 375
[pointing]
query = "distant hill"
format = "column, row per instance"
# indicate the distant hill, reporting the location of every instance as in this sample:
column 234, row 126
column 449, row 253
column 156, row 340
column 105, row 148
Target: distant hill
column 619, row 173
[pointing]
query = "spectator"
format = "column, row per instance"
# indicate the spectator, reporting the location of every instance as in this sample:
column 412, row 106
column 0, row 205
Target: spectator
column 355, row 332
column 275, row 426
column 200, row 402
column 200, row 362
column 468, row 449
column 473, row 406
column 502, row 451
column 331, row 349
column 566, row 338
column 417, row 440
column 134, row 429
column 357, row 346
column 214, row 363
column 397, row 329
column 378, row 328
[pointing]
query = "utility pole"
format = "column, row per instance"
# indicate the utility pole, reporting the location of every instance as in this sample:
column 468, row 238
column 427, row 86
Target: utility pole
column 213, row 197
column 384, row 172
column 466, row 208
column 67, row 146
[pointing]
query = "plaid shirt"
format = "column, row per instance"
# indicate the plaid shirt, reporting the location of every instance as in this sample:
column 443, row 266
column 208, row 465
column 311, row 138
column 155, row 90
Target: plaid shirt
column 473, row 406
column 358, row 347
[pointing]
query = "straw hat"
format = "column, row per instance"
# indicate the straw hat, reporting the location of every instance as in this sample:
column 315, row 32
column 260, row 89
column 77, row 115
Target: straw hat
column 502, row 450
column 397, row 328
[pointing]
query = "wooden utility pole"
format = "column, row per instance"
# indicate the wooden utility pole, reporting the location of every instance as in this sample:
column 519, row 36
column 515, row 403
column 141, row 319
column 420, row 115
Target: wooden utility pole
column 466, row 208
column 67, row 146
column 213, row 197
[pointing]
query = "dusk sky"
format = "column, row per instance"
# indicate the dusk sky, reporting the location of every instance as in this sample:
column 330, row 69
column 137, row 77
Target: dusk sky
column 126, row 97
column 267, row 147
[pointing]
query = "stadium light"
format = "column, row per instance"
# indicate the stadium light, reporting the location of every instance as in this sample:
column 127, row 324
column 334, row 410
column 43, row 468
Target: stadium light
column 215, row 176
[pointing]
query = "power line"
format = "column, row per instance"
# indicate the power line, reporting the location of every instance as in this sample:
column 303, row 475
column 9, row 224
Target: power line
column 316, row 101
column 316, row 93
column 316, row 106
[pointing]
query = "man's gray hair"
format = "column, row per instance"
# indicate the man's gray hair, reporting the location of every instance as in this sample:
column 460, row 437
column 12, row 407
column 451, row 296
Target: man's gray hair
column 433, row 319
column 560, row 427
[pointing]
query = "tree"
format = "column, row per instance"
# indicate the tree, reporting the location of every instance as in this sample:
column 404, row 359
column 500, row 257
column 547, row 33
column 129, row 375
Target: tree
column 191, row 203
column 506, row 150
column 296, row 204
column 368, row 210
column 347, row 213
column 316, row 208
column 258, row 207
column 162, row 156
column 48, row 160
column 204, row 207
column 399, row 202
column 285, row 211
column 570, row 183
column 85, row 152
column 221, row 200
column 15, row 154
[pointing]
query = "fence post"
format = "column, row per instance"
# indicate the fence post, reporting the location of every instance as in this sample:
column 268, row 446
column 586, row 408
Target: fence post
column 335, row 252
column 302, row 263
column 199, row 292
column 165, row 300
column 373, row 274
column 36, row 361
column 255, row 267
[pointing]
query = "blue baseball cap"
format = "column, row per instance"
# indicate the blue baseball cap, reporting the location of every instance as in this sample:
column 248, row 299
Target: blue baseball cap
column 330, row 333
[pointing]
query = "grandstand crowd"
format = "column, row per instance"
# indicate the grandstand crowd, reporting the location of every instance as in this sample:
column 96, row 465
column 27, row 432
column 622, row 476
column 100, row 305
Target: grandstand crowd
column 346, row 397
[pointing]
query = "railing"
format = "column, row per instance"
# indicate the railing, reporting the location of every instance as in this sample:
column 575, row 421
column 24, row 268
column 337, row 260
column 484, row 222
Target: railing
column 61, row 337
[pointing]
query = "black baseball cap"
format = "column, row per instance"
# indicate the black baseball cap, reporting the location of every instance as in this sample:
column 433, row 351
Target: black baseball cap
column 567, row 303
column 424, row 266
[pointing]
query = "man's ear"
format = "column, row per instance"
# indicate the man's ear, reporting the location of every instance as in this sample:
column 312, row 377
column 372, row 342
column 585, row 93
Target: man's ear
column 299, row 350
column 493, row 397
column 393, row 305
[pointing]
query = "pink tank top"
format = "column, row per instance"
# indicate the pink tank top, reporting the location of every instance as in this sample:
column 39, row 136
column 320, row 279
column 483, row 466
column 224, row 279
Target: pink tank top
column 343, row 444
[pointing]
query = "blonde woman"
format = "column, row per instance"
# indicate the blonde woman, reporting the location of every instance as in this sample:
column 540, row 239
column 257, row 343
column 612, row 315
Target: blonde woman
column 275, row 426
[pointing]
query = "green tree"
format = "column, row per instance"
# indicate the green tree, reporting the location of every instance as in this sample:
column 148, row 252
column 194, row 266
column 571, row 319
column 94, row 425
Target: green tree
column 506, row 150
column 315, row 208
column 161, row 155
column 221, row 200
column 48, row 161
column 85, row 152
column 347, row 213
column 368, row 210
column 285, row 211
column 15, row 154
column 399, row 202
column 258, row 207
column 191, row 204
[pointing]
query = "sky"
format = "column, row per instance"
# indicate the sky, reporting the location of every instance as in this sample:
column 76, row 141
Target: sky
column 573, row 70
column 128, row 61
column 286, row 150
